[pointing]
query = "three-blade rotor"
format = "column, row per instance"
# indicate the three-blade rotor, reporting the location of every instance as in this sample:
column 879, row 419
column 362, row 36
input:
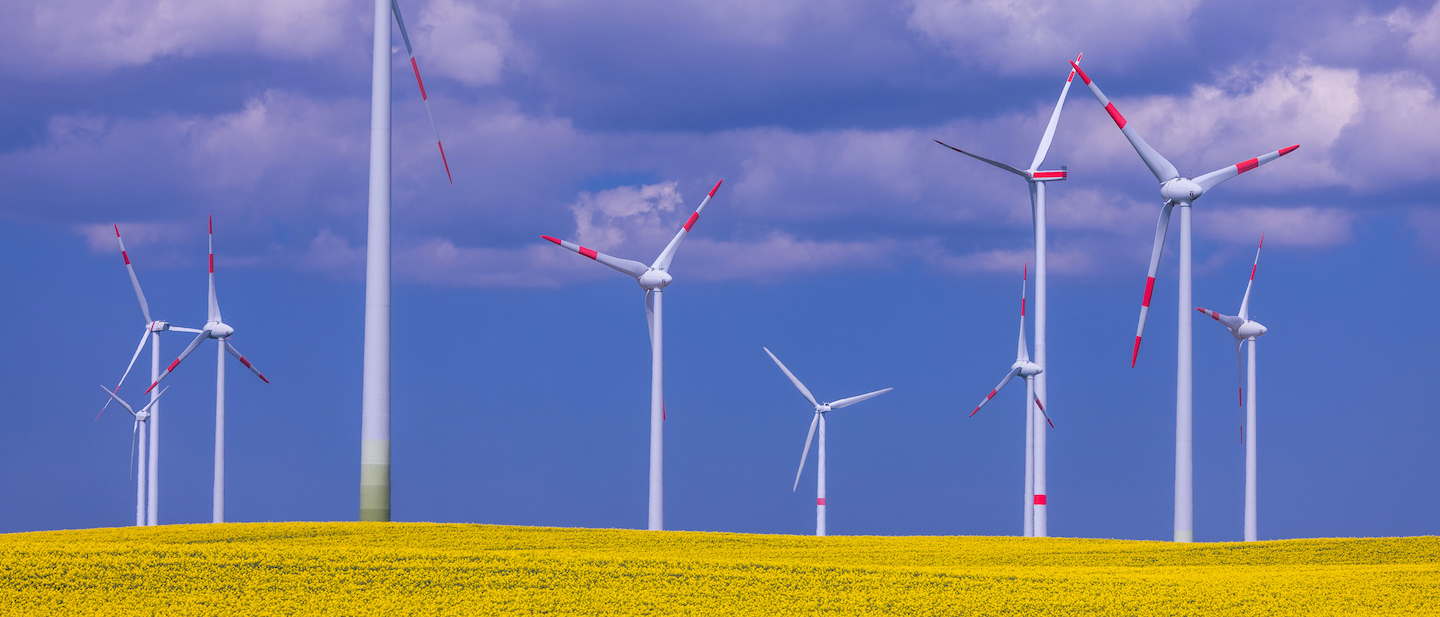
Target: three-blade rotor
column 215, row 328
column 1174, row 189
column 1022, row 366
column 820, row 408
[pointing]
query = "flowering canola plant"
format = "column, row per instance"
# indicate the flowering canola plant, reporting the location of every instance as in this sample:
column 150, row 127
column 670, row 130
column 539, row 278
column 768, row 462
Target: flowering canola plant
column 426, row 568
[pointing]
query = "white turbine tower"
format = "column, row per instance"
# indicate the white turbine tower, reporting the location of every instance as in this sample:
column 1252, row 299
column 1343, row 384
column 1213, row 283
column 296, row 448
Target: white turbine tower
column 148, row 476
column 1182, row 192
column 820, row 410
column 653, row 279
column 1034, row 456
column 1245, row 329
column 1037, row 180
column 137, row 435
column 215, row 328
column 375, row 380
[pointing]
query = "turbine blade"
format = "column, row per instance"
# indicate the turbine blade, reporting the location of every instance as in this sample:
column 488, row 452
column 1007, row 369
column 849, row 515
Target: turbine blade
column 662, row 263
column 650, row 317
column 1158, row 165
column 143, row 338
column 808, row 438
column 1229, row 321
column 1054, row 120
column 134, row 282
column 236, row 352
column 798, row 386
column 1160, row 228
column 214, row 304
column 395, row 8
column 117, row 398
column 1008, row 376
column 846, row 402
column 165, row 373
column 633, row 268
column 1208, row 181
column 1041, row 407
column 1240, row 364
column 155, row 400
column 1245, row 303
column 1022, row 351
column 981, row 158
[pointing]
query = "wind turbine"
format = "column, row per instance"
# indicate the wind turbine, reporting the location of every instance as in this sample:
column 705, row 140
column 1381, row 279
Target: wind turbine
column 1037, row 179
column 820, row 410
column 1245, row 329
column 1035, row 520
column 137, row 435
column 215, row 328
column 147, row 478
column 375, row 380
column 653, row 279
column 1182, row 192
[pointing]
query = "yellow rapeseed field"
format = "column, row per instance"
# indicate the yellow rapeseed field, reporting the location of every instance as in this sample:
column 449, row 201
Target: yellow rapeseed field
column 425, row 568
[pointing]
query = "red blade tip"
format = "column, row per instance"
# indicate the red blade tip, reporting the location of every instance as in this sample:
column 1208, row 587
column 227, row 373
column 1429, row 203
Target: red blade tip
column 555, row 240
column 1285, row 151
column 717, row 187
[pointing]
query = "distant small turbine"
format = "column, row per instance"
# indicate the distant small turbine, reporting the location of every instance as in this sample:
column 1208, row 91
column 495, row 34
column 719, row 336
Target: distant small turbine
column 1035, row 520
column 137, row 436
column 820, row 410
column 1245, row 329
column 215, row 328
column 149, row 473
column 653, row 279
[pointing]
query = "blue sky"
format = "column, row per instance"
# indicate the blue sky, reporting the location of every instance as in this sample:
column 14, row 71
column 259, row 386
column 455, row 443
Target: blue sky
column 860, row 252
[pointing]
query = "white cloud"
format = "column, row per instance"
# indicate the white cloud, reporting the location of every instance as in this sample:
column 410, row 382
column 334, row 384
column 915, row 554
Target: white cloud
column 1307, row 226
column 1421, row 31
column 461, row 41
column 1021, row 36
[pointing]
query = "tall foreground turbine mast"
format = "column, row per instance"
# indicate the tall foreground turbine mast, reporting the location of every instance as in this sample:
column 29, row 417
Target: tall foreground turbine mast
column 1034, row 457
column 1037, row 180
column 375, row 382
column 820, row 410
column 215, row 328
column 1182, row 192
column 653, row 279
column 148, row 475
column 1245, row 329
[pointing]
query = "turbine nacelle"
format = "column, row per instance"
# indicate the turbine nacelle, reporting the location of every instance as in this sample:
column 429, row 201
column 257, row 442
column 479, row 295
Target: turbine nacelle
column 1250, row 329
column 1027, row 368
column 159, row 326
column 218, row 329
column 822, row 408
column 654, row 279
column 1181, row 190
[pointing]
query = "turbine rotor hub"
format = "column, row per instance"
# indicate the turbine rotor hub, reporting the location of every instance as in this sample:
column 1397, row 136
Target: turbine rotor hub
column 1181, row 190
column 654, row 279
column 219, row 329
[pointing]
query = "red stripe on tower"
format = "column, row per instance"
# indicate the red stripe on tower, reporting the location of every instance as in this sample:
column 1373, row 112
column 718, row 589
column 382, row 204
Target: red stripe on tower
column 1149, row 288
column 1115, row 115
column 415, row 66
column 1244, row 166
column 587, row 252
column 691, row 223
column 820, row 501
column 1039, row 500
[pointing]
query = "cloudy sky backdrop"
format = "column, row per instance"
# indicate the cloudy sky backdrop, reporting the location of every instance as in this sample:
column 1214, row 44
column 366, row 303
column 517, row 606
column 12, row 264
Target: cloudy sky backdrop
column 843, row 238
